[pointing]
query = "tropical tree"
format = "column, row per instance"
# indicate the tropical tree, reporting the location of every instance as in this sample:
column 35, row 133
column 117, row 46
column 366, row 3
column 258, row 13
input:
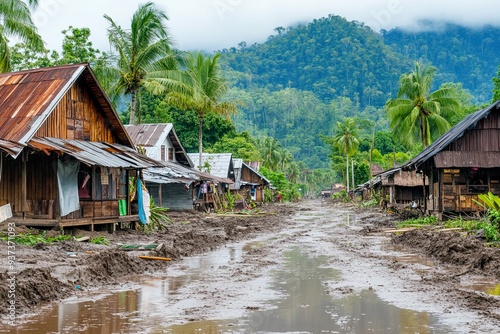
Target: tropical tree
column 346, row 141
column 15, row 21
column 496, row 88
column 204, row 90
column 418, row 113
column 145, row 58
column 269, row 149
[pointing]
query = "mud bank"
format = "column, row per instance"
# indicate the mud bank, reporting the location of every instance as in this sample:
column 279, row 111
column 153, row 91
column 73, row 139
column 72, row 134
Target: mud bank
column 49, row 272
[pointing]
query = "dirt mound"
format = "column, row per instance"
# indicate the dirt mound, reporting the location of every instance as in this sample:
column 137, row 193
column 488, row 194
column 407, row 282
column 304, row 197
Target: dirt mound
column 453, row 248
column 31, row 287
column 50, row 272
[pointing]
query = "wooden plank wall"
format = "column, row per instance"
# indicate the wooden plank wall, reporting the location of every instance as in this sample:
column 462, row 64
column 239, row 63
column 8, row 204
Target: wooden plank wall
column 78, row 116
column 10, row 186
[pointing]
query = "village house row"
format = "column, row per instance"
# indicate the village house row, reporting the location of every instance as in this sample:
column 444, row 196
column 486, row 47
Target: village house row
column 447, row 176
column 67, row 160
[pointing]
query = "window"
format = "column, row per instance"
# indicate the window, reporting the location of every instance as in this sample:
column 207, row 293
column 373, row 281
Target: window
column 170, row 154
column 162, row 150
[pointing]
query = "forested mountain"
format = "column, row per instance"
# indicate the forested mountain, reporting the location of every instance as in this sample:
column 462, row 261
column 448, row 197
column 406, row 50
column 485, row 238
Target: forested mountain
column 304, row 79
column 465, row 55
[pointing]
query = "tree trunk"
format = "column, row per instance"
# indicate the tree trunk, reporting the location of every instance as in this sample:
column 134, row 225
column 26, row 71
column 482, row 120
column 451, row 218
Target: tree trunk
column 133, row 102
column 371, row 150
column 347, row 172
column 200, row 140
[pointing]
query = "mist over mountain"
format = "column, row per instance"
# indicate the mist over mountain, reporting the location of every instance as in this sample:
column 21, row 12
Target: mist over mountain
column 305, row 78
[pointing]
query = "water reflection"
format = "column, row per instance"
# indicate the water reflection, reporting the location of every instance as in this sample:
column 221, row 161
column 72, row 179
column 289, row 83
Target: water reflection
column 112, row 314
column 306, row 307
column 309, row 308
column 487, row 285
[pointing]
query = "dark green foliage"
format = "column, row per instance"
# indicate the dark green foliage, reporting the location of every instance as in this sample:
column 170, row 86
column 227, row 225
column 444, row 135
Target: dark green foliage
column 469, row 56
column 496, row 88
column 241, row 145
column 330, row 57
column 361, row 173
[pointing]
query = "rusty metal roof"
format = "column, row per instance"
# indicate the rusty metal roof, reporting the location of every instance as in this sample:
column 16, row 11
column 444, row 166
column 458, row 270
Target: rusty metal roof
column 95, row 154
column 27, row 98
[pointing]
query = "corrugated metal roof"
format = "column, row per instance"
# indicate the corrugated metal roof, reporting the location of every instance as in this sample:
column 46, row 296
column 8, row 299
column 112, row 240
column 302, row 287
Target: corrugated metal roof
column 148, row 135
column 95, row 154
column 27, row 98
column 453, row 134
column 173, row 172
column 153, row 135
column 221, row 164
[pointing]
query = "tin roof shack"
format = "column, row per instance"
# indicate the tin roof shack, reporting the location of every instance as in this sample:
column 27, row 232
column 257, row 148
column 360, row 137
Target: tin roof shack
column 219, row 167
column 66, row 158
column 172, row 185
column 463, row 163
column 249, row 183
column 400, row 187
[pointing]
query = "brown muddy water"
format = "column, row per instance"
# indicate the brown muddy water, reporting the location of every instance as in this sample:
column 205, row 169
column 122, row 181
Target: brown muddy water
column 304, row 306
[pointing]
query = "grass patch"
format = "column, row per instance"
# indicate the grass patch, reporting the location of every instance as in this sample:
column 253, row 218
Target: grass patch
column 34, row 237
column 418, row 222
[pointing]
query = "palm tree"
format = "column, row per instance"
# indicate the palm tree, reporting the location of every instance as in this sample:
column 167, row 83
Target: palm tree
column 15, row 21
column 417, row 113
column 145, row 59
column 205, row 88
column 346, row 140
column 270, row 150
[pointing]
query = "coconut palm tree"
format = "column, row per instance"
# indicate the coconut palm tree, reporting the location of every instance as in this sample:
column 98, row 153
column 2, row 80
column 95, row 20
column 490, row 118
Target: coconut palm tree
column 15, row 21
column 418, row 113
column 270, row 150
column 346, row 140
column 204, row 90
column 144, row 58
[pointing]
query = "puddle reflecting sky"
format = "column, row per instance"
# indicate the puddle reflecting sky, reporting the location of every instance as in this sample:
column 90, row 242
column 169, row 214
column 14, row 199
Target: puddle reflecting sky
column 307, row 307
column 310, row 309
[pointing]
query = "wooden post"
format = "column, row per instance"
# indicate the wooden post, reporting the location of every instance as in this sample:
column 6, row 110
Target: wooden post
column 424, row 192
column 160, row 197
column 23, row 184
column 440, row 193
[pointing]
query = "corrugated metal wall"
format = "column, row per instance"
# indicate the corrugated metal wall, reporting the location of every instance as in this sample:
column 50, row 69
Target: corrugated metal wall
column 173, row 196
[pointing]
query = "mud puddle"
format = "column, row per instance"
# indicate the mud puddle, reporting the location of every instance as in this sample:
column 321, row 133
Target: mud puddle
column 304, row 306
column 314, row 276
column 308, row 308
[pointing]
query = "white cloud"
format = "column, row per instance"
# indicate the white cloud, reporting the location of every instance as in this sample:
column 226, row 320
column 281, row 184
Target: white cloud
column 215, row 24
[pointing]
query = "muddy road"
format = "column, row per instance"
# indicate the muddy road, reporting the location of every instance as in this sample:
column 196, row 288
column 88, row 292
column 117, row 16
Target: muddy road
column 322, row 267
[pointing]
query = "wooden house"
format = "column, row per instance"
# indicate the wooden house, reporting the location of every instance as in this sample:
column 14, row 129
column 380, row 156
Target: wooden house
column 65, row 156
column 171, row 185
column 398, row 186
column 249, row 183
column 463, row 163
column 219, row 167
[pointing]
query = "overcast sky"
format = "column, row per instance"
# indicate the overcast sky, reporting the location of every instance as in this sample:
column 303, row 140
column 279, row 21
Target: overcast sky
column 212, row 25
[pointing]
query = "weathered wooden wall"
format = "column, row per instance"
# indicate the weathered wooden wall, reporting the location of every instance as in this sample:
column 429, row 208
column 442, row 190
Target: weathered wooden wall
column 77, row 116
column 485, row 137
